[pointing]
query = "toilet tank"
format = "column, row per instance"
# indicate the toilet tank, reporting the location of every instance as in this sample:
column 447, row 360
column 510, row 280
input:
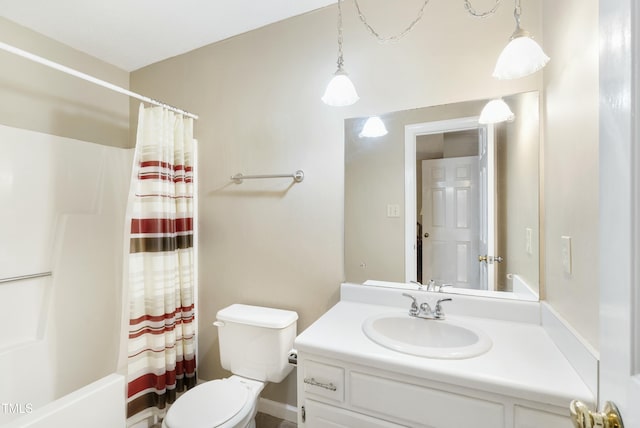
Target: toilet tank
column 255, row 341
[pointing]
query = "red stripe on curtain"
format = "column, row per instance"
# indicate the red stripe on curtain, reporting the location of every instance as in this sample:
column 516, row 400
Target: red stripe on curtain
column 160, row 382
column 167, row 165
column 161, row 225
column 148, row 317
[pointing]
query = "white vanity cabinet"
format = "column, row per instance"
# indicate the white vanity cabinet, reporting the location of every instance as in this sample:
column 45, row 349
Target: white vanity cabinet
column 346, row 379
column 334, row 393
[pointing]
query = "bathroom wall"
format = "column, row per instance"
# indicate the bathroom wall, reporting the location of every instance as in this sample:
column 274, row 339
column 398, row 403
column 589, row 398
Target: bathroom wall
column 571, row 161
column 258, row 96
column 519, row 157
column 37, row 98
column 62, row 211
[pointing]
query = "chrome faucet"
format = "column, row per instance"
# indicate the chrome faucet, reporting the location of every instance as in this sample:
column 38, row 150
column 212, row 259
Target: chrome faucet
column 424, row 310
column 430, row 286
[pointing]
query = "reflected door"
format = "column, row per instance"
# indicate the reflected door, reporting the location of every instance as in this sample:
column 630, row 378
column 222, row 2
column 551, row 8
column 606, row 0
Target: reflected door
column 487, row 178
column 450, row 222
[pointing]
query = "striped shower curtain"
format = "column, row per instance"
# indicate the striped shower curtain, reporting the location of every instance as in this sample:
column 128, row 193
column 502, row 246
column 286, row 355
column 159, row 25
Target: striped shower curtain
column 161, row 341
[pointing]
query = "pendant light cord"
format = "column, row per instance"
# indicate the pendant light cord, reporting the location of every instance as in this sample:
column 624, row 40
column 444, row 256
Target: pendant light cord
column 340, row 55
column 472, row 11
column 516, row 13
column 390, row 39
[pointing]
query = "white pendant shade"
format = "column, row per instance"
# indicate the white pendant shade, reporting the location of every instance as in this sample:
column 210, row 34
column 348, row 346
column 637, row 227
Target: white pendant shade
column 373, row 127
column 496, row 111
column 340, row 91
column 521, row 57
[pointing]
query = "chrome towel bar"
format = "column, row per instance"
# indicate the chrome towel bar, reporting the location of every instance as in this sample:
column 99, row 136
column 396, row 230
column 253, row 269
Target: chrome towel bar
column 24, row 277
column 297, row 176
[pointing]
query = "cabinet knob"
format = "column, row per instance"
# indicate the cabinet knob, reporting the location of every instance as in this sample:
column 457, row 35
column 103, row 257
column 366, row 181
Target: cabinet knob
column 582, row 417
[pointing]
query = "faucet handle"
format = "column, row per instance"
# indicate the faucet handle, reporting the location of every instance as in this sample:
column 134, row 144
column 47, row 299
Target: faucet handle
column 441, row 286
column 414, row 304
column 418, row 283
column 438, row 309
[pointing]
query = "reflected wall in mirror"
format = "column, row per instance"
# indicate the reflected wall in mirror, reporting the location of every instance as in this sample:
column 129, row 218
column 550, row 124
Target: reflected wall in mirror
column 424, row 203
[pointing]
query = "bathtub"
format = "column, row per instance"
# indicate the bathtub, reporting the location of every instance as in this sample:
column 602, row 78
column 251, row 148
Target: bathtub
column 100, row 404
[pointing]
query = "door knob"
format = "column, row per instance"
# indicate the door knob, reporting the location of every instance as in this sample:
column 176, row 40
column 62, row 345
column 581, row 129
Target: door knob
column 426, row 234
column 582, row 417
column 490, row 259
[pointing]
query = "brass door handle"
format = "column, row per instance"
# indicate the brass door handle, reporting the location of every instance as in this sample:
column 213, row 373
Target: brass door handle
column 490, row 259
column 426, row 234
column 582, row 417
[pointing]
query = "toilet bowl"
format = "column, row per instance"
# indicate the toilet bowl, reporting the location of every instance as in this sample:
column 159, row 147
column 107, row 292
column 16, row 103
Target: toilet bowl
column 220, row 403
column 254, row 346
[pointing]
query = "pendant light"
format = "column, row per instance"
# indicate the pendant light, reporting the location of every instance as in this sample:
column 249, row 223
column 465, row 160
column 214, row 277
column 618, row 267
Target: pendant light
column 373, row 127
column 522, row 56
column 340, row 91
column 496, row 111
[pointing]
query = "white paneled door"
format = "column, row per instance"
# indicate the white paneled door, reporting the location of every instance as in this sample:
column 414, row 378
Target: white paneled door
column 449, row 220
column 620, row 208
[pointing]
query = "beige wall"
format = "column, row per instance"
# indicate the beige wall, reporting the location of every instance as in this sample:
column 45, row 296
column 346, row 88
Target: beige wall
column 571, row 160
column 37, row 98
column 258, row 97
column 519, row 187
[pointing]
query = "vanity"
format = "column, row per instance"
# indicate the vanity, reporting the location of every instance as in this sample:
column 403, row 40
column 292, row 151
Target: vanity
column 349, row 377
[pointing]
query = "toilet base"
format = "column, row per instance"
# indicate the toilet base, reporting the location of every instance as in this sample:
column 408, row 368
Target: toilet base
column 245, row 418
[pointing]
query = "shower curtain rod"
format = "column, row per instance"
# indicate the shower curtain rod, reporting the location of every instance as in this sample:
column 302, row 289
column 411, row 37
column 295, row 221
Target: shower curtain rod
column 88, row 78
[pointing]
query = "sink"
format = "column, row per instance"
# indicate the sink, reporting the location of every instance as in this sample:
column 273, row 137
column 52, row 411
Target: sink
column 443, row 339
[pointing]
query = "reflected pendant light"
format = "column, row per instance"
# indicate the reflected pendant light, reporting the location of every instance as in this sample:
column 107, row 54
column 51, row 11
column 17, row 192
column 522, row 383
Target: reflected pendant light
column 373, row 127
column 496, row 111
column 340, row 91
column 522, row 56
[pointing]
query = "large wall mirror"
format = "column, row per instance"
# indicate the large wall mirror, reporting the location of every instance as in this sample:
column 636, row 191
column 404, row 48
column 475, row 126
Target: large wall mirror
column 443, row 198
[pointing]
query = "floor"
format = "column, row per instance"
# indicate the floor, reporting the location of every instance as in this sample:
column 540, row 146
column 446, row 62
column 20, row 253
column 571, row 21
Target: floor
column 267, row 421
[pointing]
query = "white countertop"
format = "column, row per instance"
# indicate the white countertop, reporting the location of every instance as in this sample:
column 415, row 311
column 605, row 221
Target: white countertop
column 523, row 361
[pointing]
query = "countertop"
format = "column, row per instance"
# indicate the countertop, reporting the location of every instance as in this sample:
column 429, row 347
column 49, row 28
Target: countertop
column 523, row 362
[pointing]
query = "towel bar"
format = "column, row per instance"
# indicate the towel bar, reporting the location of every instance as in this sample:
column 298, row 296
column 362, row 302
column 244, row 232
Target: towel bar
column 297, row 176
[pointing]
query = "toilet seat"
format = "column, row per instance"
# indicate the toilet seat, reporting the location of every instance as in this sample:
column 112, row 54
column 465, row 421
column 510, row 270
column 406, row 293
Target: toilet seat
column 217, row 403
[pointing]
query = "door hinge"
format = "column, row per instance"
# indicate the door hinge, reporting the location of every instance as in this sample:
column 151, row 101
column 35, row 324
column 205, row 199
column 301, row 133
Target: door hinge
column 303, row 413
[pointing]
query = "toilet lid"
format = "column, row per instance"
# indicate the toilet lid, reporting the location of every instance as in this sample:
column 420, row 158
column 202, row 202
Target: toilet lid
column 207, row 405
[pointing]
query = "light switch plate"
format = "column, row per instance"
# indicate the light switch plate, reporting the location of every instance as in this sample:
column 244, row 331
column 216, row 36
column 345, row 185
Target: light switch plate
column 566, row 254
column 393, row 210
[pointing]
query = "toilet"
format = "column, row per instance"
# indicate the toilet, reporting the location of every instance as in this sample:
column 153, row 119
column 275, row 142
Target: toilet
column 254, row 345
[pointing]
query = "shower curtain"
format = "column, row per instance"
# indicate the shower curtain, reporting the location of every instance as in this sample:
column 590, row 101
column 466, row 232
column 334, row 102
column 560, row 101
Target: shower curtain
column 159, row 266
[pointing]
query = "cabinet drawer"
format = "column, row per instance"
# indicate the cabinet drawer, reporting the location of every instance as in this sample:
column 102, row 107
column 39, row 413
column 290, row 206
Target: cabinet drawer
column 531, row 418
column 324, row 380
column 320, row 415
column 422, row 406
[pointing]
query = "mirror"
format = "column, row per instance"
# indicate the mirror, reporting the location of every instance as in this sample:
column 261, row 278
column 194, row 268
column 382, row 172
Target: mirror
column 480, row 231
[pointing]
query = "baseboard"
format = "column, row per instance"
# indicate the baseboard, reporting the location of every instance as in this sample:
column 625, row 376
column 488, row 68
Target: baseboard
column 278, row 410
column 581, row 355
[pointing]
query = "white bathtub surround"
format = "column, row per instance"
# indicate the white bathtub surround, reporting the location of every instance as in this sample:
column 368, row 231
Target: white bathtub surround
column 160, row 264
column 63, row 205
column 523, row 377
column 98, row 405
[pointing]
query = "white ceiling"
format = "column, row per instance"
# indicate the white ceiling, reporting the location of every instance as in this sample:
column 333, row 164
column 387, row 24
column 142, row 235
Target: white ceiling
column 134, row 33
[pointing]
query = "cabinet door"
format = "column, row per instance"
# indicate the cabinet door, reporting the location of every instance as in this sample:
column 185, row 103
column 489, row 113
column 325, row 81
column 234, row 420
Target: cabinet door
column 531, row 418
column 319, row 415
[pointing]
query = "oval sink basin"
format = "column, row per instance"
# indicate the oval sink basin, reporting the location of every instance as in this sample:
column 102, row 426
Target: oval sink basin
column 426, row 338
